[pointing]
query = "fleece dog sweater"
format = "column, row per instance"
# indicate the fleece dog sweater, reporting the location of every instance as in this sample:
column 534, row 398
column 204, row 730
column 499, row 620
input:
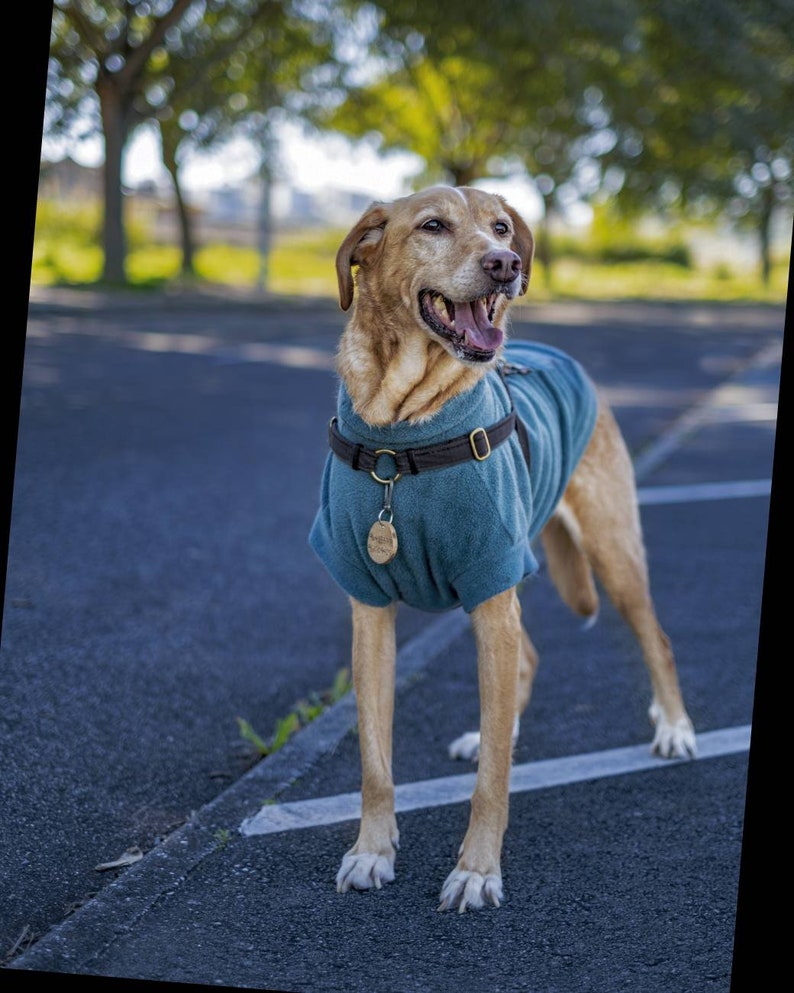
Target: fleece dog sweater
column 464, row 531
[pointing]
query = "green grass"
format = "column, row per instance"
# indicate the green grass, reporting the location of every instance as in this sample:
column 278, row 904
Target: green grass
column 649, row 280
column 66, row 252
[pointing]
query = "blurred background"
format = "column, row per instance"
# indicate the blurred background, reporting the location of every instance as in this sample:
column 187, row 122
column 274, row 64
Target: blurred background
column 231, row 143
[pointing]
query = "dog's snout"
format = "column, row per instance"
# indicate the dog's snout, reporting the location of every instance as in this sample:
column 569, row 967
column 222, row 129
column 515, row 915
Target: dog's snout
column 502, row 266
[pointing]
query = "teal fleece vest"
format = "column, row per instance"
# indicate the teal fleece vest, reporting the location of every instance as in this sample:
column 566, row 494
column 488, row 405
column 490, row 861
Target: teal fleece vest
column 464, row 531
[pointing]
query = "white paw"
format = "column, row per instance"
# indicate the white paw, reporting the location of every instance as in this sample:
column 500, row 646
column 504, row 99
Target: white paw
column 464, row 889
column 364, row 871
column 672, row 740
column 467, row 746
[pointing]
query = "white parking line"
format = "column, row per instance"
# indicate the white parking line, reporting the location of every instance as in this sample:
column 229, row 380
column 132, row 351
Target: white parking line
column 730, row 401
column 704, row 491
column 430, row 793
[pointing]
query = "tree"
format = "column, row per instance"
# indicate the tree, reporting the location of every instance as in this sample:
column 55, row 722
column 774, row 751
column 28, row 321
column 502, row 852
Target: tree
column 516, row 97
column 433, row 109
column 704, row 105
column 283, row 63
column 651, row 102
column 104, row 50
column 115, row 65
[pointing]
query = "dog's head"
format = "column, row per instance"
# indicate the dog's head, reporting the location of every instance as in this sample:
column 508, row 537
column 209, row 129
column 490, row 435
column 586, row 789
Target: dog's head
column 446, row 260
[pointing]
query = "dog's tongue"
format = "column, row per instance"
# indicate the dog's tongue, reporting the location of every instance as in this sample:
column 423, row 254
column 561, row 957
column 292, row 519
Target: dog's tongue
column 471, row 320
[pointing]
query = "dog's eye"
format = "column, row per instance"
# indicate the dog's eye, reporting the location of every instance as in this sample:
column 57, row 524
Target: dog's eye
column 501, row 227
column 433, row 224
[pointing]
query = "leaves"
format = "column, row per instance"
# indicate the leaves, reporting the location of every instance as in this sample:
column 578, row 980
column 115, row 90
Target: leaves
column 130, row 857
column 249, row 735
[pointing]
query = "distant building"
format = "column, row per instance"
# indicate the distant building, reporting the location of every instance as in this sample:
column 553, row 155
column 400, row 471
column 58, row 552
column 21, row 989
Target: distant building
column 233, row 211
column 67, row 180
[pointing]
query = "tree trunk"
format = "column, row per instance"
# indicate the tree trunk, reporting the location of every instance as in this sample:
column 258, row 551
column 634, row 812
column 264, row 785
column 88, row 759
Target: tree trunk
column 464, row 175
column 115, row 128
column 543, row 251
column 187, row 241
column 269, row 154
column 765, row 233
column 186, row 238
column 265, row 226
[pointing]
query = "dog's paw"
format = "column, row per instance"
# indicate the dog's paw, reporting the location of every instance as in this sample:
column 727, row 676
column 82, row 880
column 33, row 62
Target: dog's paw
column 672, row 740
column 364, row 871
column 464, row 889
column 467, row 746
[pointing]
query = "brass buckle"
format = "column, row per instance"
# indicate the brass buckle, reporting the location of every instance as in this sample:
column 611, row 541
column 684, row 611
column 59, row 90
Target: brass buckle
column 375, row 476
column 474, row 452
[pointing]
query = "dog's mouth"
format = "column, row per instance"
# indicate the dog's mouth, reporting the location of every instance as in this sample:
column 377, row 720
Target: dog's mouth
column 467, row 326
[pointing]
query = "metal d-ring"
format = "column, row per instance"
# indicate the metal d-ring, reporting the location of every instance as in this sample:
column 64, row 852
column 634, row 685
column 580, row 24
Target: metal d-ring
column 375, row 476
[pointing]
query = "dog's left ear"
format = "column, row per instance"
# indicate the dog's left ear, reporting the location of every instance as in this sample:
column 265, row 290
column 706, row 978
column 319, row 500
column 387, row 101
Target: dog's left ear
column 523, row 244
column 357, row 246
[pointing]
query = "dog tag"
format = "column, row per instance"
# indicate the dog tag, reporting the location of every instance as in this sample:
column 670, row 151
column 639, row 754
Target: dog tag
column 382, row 542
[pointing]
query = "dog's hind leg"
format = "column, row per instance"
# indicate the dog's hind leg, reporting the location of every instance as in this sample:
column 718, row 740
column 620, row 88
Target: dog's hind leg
column 370, row 862
column 477, row 878
column 568, row 565
column 602, row 498
column 467, row 746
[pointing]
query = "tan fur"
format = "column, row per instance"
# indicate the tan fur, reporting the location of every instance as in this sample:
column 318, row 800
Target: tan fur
column 396, row 369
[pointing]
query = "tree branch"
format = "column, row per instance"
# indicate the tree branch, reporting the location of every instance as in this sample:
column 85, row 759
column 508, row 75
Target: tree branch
column 139, row 56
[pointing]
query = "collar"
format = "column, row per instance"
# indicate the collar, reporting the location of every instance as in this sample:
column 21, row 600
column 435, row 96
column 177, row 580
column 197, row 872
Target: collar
column 476, row 444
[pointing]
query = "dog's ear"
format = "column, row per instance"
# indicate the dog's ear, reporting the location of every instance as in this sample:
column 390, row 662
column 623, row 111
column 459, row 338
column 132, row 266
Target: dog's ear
column 523, row 244
column 358, row 246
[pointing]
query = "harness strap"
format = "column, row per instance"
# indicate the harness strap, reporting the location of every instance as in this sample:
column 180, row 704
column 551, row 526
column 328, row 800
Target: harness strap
column 506, row 369
column 477, row 444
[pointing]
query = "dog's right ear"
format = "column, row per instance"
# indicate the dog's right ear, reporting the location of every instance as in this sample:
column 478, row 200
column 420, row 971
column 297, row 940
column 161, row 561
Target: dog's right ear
column 358, row 245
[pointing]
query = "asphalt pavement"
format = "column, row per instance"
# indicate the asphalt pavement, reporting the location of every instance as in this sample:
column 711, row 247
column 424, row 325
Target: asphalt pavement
column 160, row 589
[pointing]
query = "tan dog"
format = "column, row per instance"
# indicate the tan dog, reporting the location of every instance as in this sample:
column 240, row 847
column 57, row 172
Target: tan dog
column 436, row 271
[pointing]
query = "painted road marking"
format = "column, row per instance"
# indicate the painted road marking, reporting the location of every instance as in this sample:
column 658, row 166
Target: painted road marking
column 704, row 491
column 430, row 793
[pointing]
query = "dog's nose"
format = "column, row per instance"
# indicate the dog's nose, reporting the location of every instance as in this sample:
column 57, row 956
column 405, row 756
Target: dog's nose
column 502, row 266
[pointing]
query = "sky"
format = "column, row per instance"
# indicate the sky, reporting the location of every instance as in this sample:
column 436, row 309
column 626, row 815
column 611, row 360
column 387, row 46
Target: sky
column 309, row 164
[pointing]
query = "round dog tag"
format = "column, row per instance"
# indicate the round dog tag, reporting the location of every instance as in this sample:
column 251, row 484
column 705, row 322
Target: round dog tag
column 382, row 542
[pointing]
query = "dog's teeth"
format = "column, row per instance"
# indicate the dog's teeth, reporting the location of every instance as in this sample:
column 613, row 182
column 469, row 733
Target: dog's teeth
column 444, row 309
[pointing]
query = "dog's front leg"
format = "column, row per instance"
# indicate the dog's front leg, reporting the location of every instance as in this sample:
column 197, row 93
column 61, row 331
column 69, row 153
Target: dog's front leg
column 370, row 862
column 477, row 878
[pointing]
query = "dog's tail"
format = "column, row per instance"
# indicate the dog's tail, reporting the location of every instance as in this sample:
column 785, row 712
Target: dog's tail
column 568, row 566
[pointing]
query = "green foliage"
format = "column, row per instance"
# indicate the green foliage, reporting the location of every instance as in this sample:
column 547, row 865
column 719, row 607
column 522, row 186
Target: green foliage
column 222, row 837
column 613, row 238
column 153, row 265
column 304, row 713
column 65, row 261
column 59, row 220
column 227, row 264
column 659, row 102
column 588, row 266
column 248, row 734
column 578, row 279
column 283, row 731
column 199, row 72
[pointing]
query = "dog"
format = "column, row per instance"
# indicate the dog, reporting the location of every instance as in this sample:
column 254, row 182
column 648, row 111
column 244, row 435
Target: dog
column 441, row 474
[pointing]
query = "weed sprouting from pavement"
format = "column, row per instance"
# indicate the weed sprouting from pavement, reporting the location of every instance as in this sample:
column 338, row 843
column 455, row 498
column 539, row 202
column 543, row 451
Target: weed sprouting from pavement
column 222, row 837
column 304, row 712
